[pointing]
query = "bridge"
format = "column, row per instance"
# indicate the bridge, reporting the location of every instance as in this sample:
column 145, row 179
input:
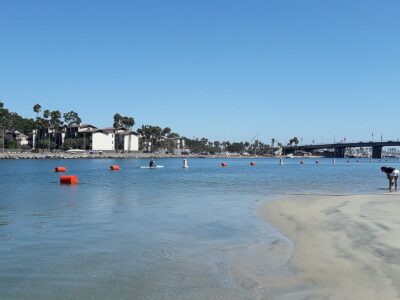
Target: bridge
column 339, row 148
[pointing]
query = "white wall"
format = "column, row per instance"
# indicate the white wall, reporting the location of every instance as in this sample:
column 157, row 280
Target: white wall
column 103, row 141
column 134, row 143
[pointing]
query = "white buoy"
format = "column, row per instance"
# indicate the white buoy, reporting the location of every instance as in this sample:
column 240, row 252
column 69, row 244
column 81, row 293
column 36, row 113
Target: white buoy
column 185, row 164
column 281, row 161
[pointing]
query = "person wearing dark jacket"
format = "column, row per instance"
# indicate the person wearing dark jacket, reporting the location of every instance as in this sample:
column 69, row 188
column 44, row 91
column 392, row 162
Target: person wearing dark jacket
column 392, row 175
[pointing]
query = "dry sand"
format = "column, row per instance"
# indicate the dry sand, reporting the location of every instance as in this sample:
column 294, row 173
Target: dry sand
column 337, row 247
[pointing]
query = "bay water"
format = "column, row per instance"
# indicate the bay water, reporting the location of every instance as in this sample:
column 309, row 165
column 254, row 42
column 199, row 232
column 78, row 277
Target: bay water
column 167, row 233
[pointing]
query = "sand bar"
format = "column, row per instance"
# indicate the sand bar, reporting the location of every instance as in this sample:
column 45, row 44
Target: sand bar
column 343, row 247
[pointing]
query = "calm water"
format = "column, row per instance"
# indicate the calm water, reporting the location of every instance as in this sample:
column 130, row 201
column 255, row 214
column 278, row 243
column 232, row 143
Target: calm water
column 148, row 234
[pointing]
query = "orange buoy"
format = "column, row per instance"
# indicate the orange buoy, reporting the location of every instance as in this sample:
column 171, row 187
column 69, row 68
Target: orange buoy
column 69, row 179
column 114, row 168
column 60, row 169
column 224, row 164
column 253, row 163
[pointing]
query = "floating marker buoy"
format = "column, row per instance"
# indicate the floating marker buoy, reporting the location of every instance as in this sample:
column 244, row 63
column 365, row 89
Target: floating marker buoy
column 224, row 164
column 281, row 161
column 301, row 162
column 333, row 161
column 60, row 169
column 114, row 168
column 317, row 161
column 69, row 179
column 253, row 163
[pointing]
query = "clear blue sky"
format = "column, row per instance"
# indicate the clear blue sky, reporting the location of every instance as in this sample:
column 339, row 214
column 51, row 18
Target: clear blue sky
column 219, row 69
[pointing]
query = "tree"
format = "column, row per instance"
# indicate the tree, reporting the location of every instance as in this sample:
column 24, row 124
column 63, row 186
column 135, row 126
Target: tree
column 56, row 124
column 273, row 142
column 72, row 118
column 173, row 135
column 145, row 132
column 128, row 122
column 4, row 121
column 236, row 147
column 153, row 135
column 37, row 108
column 117, row 120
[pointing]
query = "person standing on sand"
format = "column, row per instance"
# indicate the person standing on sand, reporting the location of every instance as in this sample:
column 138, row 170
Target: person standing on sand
column 392, row 175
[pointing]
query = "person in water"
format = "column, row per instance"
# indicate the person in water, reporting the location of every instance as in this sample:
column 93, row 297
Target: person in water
column 392, row 175
column 152, row 164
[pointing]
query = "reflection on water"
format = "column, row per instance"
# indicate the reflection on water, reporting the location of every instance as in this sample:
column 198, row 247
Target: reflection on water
column 148, row 234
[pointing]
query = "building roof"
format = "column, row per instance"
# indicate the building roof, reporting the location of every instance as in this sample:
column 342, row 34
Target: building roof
column 124, row 130
column 81, row 125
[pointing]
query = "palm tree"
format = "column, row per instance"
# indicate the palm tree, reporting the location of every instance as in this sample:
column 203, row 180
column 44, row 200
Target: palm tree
column 129, row 122
column 46, row 123
column 37, row 108
column 56, row 123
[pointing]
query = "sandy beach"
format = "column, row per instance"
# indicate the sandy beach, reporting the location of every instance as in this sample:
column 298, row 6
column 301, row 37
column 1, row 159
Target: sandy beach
column 337, row 247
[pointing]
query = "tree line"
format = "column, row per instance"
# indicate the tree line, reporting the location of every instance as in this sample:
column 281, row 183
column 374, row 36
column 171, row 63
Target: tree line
column 50, row 123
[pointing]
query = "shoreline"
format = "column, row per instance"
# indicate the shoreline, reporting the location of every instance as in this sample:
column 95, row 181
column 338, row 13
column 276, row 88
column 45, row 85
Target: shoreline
column 333, row 247
column 114, row 155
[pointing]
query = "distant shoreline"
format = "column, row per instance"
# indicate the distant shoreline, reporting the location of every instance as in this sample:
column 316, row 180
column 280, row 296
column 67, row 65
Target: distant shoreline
column 133, row 155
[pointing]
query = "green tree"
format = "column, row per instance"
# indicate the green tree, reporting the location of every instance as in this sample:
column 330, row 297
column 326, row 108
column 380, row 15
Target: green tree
column 173, row 135
column 128, row 122
column 56, row 124
column 4, row 122
column 117, row 120
column 37, row 108
column 72, row 118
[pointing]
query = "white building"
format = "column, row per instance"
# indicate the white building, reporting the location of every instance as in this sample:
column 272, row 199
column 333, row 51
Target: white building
column 22, row 139
column 115, row 139
column 103, row 140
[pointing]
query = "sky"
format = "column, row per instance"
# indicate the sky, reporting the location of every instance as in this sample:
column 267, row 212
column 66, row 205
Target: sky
column 226, row 70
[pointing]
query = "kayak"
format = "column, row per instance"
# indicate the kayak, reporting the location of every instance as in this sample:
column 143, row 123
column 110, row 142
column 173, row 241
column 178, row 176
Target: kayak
column 147, row 167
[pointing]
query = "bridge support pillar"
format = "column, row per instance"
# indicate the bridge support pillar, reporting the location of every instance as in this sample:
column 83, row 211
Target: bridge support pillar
column 339, row 152
column 377, row 151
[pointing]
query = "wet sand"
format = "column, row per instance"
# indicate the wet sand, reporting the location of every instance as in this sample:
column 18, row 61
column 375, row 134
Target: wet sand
column 337, row 247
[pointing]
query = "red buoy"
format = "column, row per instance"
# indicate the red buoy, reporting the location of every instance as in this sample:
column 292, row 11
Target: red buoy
column 60, row 169
column 253, row 163
column 69, row 179
column 224, row 164
column 114, row 168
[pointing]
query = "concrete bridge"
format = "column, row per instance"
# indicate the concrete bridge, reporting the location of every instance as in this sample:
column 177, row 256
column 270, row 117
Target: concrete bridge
column 339, row 148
